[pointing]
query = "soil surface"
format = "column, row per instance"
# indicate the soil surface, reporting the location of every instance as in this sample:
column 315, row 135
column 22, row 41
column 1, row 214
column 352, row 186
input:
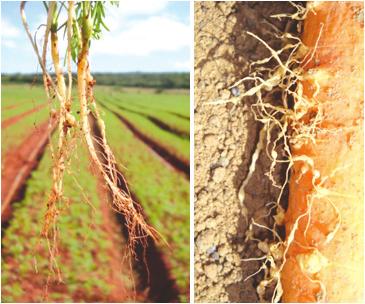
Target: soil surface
column 226, row 136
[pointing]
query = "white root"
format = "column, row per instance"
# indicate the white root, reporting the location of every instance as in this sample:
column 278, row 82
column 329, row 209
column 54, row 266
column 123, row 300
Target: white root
column 251, row 170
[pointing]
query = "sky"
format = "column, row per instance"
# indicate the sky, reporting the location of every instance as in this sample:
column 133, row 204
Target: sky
column 144, row 36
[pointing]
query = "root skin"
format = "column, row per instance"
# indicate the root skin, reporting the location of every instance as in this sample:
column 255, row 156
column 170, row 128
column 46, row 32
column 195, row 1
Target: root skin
column 333, row 224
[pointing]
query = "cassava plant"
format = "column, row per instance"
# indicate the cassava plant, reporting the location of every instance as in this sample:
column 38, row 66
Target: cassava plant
column 85, row 21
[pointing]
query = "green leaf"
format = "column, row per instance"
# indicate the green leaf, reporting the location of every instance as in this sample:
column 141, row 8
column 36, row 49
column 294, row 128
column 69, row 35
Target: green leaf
column 45, row 5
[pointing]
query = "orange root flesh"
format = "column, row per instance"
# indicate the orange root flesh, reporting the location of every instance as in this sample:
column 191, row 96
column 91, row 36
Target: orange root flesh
column 333, row 187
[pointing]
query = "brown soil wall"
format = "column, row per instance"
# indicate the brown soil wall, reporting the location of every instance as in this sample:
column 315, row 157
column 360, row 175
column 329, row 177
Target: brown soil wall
column 225, row 138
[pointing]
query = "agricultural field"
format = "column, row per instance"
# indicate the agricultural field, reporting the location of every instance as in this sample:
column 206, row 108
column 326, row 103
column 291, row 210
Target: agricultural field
column 148, row 132
column 23, row 109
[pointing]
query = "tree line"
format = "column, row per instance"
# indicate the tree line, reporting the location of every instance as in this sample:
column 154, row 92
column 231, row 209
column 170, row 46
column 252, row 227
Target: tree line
column 135, row 79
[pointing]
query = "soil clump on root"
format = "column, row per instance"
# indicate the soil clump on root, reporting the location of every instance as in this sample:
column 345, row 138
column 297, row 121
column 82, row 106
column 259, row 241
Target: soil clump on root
column 226, row 138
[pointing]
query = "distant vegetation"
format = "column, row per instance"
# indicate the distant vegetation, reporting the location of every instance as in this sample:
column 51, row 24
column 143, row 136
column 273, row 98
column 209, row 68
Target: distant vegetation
column 135, row 79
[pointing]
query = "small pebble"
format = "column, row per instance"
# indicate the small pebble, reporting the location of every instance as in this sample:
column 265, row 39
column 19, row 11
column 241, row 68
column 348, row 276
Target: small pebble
column 235, row 91
column 215, row 256
column 211, row 250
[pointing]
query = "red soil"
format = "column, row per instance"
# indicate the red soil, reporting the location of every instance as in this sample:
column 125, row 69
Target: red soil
column 19, row 163
column 14, row 106
column 10, row 107
column 12, row 120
